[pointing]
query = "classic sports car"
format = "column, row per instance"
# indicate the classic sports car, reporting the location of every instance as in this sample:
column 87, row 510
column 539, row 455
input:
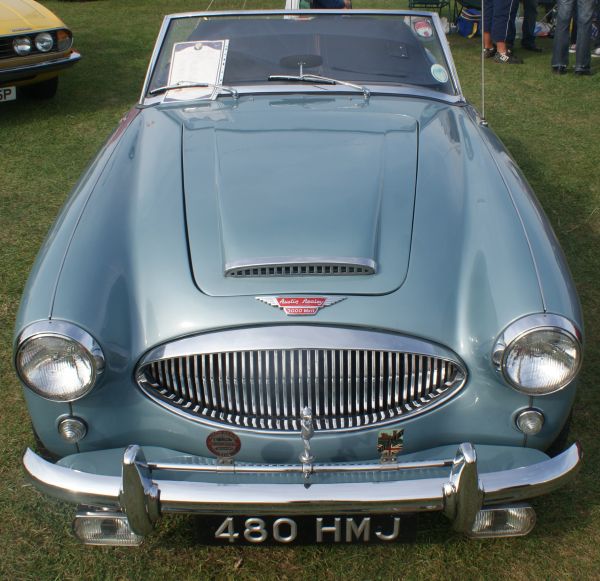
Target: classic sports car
column 34, row 46
column 303, row 292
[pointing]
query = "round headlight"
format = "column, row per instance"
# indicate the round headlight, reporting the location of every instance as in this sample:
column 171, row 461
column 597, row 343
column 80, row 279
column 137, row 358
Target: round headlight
column 58, row 361
column 539, row 354
column 22, row 45
column 44, row 42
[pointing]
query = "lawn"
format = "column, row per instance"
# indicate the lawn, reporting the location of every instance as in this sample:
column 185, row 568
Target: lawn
column 551, row 126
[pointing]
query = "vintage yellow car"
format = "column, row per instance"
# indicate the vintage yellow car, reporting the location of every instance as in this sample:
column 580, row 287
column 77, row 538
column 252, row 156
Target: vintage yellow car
column 34, row 46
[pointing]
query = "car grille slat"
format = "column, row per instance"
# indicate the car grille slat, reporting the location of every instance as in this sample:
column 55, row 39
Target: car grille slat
column 267, row 389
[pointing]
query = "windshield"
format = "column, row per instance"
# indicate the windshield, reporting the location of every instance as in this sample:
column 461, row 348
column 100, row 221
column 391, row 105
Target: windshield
column 238, row 50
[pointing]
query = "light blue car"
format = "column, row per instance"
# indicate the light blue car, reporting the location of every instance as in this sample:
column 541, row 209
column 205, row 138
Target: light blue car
column 304, row 292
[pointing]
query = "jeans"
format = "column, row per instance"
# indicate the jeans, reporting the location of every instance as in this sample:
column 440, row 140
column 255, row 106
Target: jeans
column 560, row 48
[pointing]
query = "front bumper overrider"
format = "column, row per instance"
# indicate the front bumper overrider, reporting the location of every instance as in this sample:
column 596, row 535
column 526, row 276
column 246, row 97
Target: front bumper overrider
column 460, row 495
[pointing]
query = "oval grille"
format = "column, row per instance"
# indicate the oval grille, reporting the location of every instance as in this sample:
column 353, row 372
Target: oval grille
column 267, row 389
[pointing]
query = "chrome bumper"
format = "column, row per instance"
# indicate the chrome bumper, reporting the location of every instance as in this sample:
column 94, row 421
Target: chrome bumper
column 460, row 495
column 29, row 71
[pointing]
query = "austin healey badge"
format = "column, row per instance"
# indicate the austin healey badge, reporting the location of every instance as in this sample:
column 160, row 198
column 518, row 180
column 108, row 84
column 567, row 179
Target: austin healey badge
column 390, row 444
column 300, row 306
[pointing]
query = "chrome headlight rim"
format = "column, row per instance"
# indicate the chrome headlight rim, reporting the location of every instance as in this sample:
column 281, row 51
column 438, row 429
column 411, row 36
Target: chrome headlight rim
column 528, row 325
column 62, row 330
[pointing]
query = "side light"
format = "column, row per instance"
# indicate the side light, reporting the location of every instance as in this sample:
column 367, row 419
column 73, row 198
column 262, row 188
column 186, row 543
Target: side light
column 530, row 422
column 539, row 354
column 72, row 429
column 58, row 360
column 64, row 40
column 503, row 521
column 44, row 42
column 22, row 45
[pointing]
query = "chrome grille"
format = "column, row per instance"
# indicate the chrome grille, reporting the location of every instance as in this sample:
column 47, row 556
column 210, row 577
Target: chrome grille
column 267, row 389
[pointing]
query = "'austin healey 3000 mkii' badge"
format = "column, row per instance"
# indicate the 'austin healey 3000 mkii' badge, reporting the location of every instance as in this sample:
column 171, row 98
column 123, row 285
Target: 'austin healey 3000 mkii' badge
column 390, row 444
column 300, row 306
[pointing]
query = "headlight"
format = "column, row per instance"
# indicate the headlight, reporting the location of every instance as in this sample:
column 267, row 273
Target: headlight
column 22, row 46
column 64, row 40
column 539, row 354
column 58, row 360
column 44, row 42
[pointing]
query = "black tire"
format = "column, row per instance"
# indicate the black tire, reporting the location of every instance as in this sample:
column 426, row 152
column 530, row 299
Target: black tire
column 45, row 90
column 560, row 443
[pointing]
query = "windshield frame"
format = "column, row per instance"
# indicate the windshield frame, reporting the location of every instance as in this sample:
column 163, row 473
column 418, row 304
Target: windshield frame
column 146, row 99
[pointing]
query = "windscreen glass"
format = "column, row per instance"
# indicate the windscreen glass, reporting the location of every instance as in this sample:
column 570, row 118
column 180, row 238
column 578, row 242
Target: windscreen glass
column 252, row 50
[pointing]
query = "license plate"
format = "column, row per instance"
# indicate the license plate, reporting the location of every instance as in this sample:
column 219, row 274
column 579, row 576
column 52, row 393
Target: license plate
column 308, row 529
column 8, row 94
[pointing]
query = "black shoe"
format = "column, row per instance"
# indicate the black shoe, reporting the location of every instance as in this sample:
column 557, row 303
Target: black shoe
column 559, row 70
column 583, row 72
column 488, row 53
column 532, row 48
column 507, row 58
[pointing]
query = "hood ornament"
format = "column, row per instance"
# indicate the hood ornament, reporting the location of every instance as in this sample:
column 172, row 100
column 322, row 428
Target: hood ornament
column 307, row 432
column 300, row 306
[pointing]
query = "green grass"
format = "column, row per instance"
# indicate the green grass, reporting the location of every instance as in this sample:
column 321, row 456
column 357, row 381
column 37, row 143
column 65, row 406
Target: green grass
column 550, row 124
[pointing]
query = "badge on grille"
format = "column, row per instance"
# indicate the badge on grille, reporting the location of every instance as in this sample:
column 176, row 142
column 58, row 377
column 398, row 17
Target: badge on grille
column 223, row 444
column 300, row 306
column 389, row 444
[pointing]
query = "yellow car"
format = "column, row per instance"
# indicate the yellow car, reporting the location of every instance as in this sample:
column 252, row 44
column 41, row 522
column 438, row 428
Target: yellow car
column 34, row 46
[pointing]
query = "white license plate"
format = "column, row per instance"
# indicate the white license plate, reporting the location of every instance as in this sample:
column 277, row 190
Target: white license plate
column 8, row 94
column 310, row 529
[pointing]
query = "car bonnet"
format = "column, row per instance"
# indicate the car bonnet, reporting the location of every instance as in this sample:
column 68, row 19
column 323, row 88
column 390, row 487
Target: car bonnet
column 290, row 184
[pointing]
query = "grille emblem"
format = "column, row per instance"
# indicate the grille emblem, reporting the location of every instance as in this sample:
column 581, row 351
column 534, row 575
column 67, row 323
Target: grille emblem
column 300, row 306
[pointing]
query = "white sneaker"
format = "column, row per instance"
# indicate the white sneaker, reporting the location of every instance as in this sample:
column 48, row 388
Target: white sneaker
column 596, row 52
column 573, row 49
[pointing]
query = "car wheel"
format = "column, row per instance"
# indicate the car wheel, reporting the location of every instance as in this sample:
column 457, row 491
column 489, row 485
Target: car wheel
column 44, row 90
column 560, row 443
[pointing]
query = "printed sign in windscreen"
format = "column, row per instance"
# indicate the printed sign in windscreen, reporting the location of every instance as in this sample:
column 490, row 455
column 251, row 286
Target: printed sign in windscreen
column 199, row 61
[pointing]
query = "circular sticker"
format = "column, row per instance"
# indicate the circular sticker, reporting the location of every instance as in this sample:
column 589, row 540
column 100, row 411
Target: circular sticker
column 423, row 28
column 439, row 73
column 223, row 444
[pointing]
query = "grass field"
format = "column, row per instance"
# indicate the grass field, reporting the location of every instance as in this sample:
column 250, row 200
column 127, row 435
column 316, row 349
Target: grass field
column 551, row 126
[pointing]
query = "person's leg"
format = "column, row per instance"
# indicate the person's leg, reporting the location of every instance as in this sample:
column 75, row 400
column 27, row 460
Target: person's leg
column 560, row 46
column 488, row 15
column 529, row 20
column 504, row 10
column 585, row 9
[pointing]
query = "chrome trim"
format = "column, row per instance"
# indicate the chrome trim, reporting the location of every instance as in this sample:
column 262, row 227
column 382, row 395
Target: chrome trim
column 529, row 324
column 295, row 13
column 426, row 494
column 365, row 265
column 56, row 328
column 304, row 338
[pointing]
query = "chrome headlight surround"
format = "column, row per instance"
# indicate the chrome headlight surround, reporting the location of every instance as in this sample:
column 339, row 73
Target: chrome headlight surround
column 524, row 329
column 75, row 342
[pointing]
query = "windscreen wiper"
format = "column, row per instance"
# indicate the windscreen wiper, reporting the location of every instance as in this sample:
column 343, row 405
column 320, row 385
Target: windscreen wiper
column 189, row 85
column 319, row 79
